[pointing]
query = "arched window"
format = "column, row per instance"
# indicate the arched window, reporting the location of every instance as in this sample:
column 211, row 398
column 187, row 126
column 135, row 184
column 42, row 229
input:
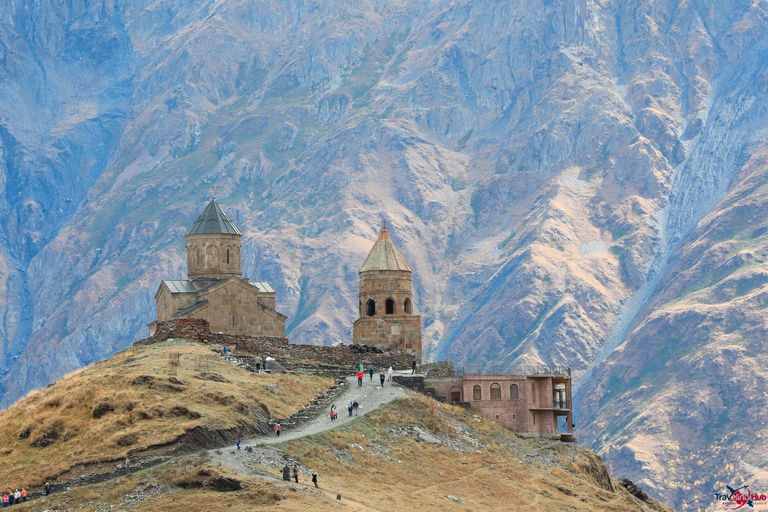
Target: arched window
column 199, row 255
column 513, row 392
column 476, row 393
column 390, row 307
column 495, row 391
column 227, row 256
column 407, row 306
column 234, row 321
column 370, row 307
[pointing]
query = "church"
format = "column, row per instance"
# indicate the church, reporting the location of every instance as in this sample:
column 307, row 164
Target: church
column 215, row 289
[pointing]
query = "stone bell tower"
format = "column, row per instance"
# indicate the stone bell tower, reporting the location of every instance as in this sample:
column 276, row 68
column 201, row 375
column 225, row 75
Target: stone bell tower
column 213, row 245
column 386, row 305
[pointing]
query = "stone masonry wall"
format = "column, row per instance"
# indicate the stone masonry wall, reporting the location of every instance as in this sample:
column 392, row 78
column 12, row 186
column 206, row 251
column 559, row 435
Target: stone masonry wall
column 195, row 329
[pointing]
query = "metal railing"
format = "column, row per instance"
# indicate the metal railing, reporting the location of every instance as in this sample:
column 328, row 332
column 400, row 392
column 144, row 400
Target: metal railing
column 561, row 404
column 528, row 371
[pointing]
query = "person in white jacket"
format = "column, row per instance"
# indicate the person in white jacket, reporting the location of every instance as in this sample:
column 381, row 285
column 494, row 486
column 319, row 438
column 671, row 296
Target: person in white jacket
column 389, row 374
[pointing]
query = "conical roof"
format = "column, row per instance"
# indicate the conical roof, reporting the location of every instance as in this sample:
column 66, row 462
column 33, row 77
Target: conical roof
column 213, row 220
column 385, row 255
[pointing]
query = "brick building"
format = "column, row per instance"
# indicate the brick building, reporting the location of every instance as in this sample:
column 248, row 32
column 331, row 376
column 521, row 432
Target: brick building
column 386, row 304
column 534, row 401
column 215, row 289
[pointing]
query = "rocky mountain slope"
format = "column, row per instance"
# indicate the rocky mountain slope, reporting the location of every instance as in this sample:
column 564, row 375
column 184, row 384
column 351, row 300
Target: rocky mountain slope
column 542, row 166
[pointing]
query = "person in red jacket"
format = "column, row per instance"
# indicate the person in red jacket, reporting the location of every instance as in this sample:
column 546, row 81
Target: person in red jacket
column 277, row 430
column 360, row 377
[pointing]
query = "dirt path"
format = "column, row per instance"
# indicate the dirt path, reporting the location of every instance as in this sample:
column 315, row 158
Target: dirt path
column 370, row 397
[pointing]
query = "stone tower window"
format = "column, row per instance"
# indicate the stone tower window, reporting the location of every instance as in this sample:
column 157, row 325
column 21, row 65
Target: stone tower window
column 390, row 307
column 370, row 307
column 227, row 256
column 495, row 391
column 476, row 393
column 513, row 392
column 407, row 306
column 199, row 255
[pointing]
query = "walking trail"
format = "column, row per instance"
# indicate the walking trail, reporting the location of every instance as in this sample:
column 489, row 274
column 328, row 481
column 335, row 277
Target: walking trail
column 370, row 396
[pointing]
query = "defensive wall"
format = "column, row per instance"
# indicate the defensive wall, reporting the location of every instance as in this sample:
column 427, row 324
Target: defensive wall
column 346, row 356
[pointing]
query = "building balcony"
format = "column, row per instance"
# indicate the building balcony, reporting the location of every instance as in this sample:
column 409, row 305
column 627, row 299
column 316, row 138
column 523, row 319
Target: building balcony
column 557, row 405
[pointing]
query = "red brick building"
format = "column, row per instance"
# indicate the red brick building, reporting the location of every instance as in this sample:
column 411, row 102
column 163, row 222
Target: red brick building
column 534, row 401
column 386, row 309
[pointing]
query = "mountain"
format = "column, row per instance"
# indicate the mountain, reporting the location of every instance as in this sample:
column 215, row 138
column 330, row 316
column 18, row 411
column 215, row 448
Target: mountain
column 549, row 170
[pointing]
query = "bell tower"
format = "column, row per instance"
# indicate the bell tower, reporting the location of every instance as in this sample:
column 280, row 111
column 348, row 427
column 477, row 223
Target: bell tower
column 213, row 245
column 387, row 320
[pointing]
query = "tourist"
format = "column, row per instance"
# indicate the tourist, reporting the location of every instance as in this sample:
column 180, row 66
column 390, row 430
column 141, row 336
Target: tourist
column 225, row 351
column 389, row 374
column 296, row 472
column 355, row 406
column 23, row 495
column 350, row 407
column 238, row 444
column 127, row 465
column 381, row 378
column 371, row 370
column 47, row 488
column 333, row 412
column 5, row 500
column 360, row 377
column 17, row 497
column 314, row 479
column 413, row 367
column 277, row 430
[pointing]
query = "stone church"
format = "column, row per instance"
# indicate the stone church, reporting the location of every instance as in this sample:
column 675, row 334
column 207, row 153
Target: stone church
column 386, row 306
column 215, row 289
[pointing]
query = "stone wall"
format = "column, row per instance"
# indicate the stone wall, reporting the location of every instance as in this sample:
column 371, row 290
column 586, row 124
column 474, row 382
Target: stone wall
column 390, row 332
column 195, row 329
column 437, row 369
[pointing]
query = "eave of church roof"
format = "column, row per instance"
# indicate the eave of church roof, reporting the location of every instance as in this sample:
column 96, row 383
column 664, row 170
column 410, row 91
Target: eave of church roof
column 213, row 220
column 385, row 255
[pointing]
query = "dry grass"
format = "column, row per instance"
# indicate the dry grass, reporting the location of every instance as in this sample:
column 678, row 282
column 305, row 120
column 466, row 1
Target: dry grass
column 127, row 403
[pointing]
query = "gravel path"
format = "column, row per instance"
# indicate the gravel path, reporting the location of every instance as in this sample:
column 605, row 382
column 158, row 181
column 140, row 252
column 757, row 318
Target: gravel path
column 370, row 397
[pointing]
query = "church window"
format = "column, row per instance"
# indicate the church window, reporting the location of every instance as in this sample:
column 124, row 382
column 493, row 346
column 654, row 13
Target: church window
column 495, row 391
column 234, row 321
column 407, row 306
column 227, row 256
column 476, row 393
column 513, row 392
column 199, row 255
column 390, row 307
column 370, row 307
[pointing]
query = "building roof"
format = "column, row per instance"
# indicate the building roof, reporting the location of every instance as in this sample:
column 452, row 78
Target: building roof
column 263, row 286
column 385, row 255
column 213, row 220
column 180, row 285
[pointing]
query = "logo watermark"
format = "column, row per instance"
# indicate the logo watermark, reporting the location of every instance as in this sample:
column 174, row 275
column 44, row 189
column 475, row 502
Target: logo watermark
column 737, row 498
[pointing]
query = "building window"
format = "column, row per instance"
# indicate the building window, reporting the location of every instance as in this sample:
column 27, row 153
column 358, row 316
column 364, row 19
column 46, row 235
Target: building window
column 495, row 391
column 199, row 256
column 513, row 392
column 476, row 393
column 533, row 392
column 370, row 307
column 390, row 307
column 227, row 256
column 407, row 306
column 514, row 417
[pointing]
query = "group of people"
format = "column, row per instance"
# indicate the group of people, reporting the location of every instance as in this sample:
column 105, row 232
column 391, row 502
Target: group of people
column 371, row 371
column 295, row 474
column 19, row 496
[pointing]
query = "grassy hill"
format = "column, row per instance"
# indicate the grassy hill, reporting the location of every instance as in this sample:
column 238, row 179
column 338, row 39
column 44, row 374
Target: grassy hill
column 91, row 419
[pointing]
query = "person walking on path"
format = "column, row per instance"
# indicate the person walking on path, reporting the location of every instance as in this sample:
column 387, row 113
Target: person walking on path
column 389, row 374
column 333, row 412
column 17, row 496
column 371, row 370
column 296, row 472
column 314, row 479
column 277, row 430
column 127, row 465
column 355, row 406
column 225, row 351
column 350, row 407
column 238, row 444
column 413, row 367
column 47, row 488
column 5, row 500
column 24, row 495
column 381, row 378
column 360, row 377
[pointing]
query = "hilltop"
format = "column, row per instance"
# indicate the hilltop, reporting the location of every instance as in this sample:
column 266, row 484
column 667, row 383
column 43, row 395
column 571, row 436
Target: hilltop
column 396, row 457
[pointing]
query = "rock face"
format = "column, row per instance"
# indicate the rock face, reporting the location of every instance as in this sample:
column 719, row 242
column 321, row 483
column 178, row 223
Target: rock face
column 543, row 166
